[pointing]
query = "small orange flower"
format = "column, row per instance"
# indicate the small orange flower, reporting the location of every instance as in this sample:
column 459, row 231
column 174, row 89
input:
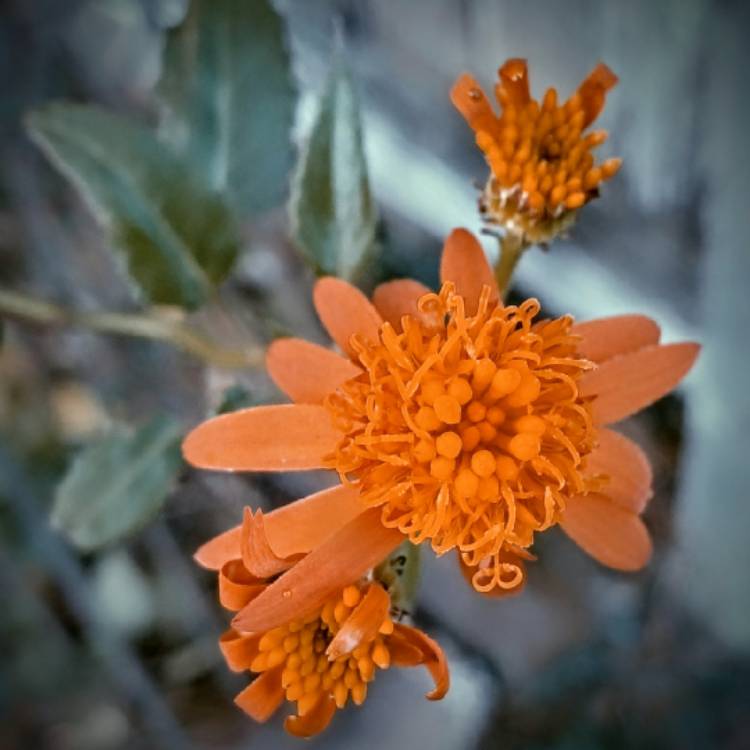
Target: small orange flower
column 453, row 420
column 542, row 169
column 321, row 656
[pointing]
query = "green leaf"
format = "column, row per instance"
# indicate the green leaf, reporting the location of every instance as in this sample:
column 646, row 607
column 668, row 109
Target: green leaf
column 229, row 99
column 117, row 484
column 332, row 211
column 234, row 398
column 176, row 237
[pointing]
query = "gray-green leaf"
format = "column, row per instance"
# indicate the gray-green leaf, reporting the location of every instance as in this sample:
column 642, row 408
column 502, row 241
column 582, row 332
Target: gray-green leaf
column 229, row 99
column 331, row 207
column 176, row 237
column 117, row 484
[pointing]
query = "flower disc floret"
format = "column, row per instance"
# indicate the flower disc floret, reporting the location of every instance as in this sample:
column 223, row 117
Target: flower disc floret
column 467, row 430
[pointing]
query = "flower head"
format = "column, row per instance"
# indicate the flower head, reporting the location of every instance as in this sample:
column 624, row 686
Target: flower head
column 542, row 168
column 321, row 657
column 457, row 421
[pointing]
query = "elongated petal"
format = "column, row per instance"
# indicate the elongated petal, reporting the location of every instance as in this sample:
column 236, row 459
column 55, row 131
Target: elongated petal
column 627, row 467
column 220, row 549
column 403, row 653
column 625, row 385
column 237, row 587
column 344, row 311
column 301, row 526
column 340, row 560
column 257, row 554
column 297, row 527
column 394, row 299
column 607, row 337
column 593, row 91
column 514, row 83
column 314, row 721
column 288, row 437
column 363, row 623
column 434, row 658
column 612, row 535
column 469, row 99
column 465, row 264
column 239, row 650
column 307, row 372
column 262, row 696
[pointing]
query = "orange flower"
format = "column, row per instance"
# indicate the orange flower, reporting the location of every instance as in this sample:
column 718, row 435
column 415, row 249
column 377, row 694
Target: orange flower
column 322, row 655
column 453, row 420
column 542, row 169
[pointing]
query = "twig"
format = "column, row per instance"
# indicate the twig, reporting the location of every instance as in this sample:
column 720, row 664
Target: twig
column 147, row 326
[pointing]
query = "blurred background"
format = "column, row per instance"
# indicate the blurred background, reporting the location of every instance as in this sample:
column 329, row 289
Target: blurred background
column 108, row 630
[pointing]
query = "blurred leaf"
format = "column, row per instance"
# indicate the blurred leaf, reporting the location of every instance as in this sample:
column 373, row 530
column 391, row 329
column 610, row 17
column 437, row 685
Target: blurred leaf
column 332, row 211
column 229, row 99
column 177, row 237
column 117, row 484
column 234, row 398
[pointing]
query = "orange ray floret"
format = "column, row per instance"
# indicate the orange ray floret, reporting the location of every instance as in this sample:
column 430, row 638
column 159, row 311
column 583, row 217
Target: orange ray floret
column 318, row 659
column 466, row 424
column 542, row 168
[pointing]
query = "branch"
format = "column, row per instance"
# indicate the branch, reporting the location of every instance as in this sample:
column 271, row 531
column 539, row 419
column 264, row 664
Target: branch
column 146, row 326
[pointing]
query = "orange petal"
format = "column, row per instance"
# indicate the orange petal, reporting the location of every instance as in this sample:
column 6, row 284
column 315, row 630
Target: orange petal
column 394, row 299
column 624, row 385
column 344, row 311
column 433, row 656
column 465, row 264
column 469, row 99
column 612, row 535
column 220, row 549
column 314, row 721
column 403, row 653
column 262, row 696
column 257, row 555
column 239, row 650
column 363, row 624
column 606, row 337
column 338, row 561
column 307, row 372
column 593, row 91
column 498, row 592
column 626, row 466
column 237, row 586
column 286, row 437
column 514, row 82
column 297, row 527
column 302, row 525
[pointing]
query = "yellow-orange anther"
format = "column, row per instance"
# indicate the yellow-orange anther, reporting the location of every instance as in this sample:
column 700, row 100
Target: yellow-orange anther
column 476, row 411
column 308, row 673
column 524, row 446
column 467, row 483
column 447, row 409
column 456, row 424
column 505, row 381
column 448, row 444
column 483, row 463
column 461, row 391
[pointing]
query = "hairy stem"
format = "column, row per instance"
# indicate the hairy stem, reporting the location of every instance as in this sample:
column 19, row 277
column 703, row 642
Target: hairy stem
column 147, row 326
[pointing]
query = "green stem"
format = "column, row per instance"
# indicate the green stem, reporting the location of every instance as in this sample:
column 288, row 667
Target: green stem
column 512, row 247
column 146, row 326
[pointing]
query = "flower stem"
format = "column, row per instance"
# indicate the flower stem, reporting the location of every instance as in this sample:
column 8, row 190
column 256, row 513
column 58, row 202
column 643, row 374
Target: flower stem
column 512, row 247
column 147, row 326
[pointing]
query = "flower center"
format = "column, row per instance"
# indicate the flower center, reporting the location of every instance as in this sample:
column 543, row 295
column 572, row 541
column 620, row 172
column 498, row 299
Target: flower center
column 307, row 672
column 467, row 430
